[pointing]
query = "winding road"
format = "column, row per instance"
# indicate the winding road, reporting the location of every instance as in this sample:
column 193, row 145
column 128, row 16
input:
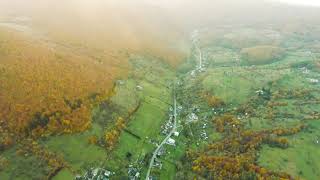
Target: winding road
column 167, row 137
column 200, row 57
column 154, row 155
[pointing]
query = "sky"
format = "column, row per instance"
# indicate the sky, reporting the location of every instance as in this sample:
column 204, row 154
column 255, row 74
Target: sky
column 301, row 2
column 294, row 2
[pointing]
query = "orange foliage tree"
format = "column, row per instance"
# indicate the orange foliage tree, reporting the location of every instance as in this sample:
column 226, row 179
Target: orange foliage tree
column 112, row 136
column 234, row 157
column 48, row 90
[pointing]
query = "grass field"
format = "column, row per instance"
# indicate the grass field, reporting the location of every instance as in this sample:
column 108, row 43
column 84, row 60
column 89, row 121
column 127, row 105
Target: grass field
column 147, row 92
column 155, row 94
column 300, row 159
column 236, row 83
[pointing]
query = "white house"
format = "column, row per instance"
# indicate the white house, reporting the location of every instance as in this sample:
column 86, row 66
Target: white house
column 171, row 141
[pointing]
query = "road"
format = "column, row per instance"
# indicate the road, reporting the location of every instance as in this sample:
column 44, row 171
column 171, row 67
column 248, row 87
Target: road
column 154, row 155
column 195, row 39
column 200, row 57
column 167, row 137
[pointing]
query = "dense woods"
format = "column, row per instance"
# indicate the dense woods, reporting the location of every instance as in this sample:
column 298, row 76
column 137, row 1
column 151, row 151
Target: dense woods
column 44, row 91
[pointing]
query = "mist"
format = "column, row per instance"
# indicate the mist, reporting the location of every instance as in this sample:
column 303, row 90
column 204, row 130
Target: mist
column 133, row 21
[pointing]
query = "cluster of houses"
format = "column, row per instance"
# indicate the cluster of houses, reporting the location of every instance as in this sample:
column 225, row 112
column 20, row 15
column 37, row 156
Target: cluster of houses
column 203, row 133
column 157, row 163
column 192, row 117
column 305, row 70
column 166, row 128
column 171, row 141
column 96, row 174
column 193, row 73
column 133, row 172
column 313, row 81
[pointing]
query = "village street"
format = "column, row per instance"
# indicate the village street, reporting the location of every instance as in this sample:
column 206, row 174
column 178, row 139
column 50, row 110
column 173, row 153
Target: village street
column 167, row 137
column 174, row 128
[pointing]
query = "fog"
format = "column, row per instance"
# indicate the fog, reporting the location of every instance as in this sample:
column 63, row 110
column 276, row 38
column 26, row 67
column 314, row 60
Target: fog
column 300, row 2
column 143, row 23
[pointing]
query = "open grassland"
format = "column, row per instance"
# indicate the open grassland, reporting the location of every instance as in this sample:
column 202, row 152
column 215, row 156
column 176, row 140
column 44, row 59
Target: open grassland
column 235, row 119
column 301, row 159
column 155, row 80
column 264, row 117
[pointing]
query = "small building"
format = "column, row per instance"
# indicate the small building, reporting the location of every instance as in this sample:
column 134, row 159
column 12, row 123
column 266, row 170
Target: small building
column 161, row 152
column 157, row 164
column 305, row 70
column 260, row 92
column 171, row 141
column 204, row 126
column 120, row 82
column 137, row 175
column 140, row 88
column 107, row 173
column 176, row 133
column 193, row 73
column 314, row 81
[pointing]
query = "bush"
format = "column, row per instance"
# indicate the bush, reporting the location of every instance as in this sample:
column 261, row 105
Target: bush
column 215, row 102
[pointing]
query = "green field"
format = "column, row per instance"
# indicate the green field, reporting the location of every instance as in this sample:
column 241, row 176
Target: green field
column 268, row 93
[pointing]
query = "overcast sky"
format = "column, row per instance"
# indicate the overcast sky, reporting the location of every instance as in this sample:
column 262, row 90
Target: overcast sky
column 302, row 2
column 294, row 2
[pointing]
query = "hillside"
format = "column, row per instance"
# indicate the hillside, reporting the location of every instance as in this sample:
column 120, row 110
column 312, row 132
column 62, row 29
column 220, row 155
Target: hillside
column 53, row 71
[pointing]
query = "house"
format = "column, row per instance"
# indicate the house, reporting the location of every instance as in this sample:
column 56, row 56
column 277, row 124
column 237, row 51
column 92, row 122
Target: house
column 140, row 88
column 171, row 141
column 192, row 117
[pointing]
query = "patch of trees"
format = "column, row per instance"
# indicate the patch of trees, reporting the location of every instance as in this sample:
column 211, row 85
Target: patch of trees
column 235, row 156
column 111, row 137
column 239, row 40
column 115, row 125
column 295, row 94
column 214, row 101
column 260, row 55
column 3, row 163
column 54, row 161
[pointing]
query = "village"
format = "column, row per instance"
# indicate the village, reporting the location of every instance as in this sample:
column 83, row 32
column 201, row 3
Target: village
column 189, row 118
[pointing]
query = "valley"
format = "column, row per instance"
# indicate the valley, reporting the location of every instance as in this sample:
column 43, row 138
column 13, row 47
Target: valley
column 133, row 90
